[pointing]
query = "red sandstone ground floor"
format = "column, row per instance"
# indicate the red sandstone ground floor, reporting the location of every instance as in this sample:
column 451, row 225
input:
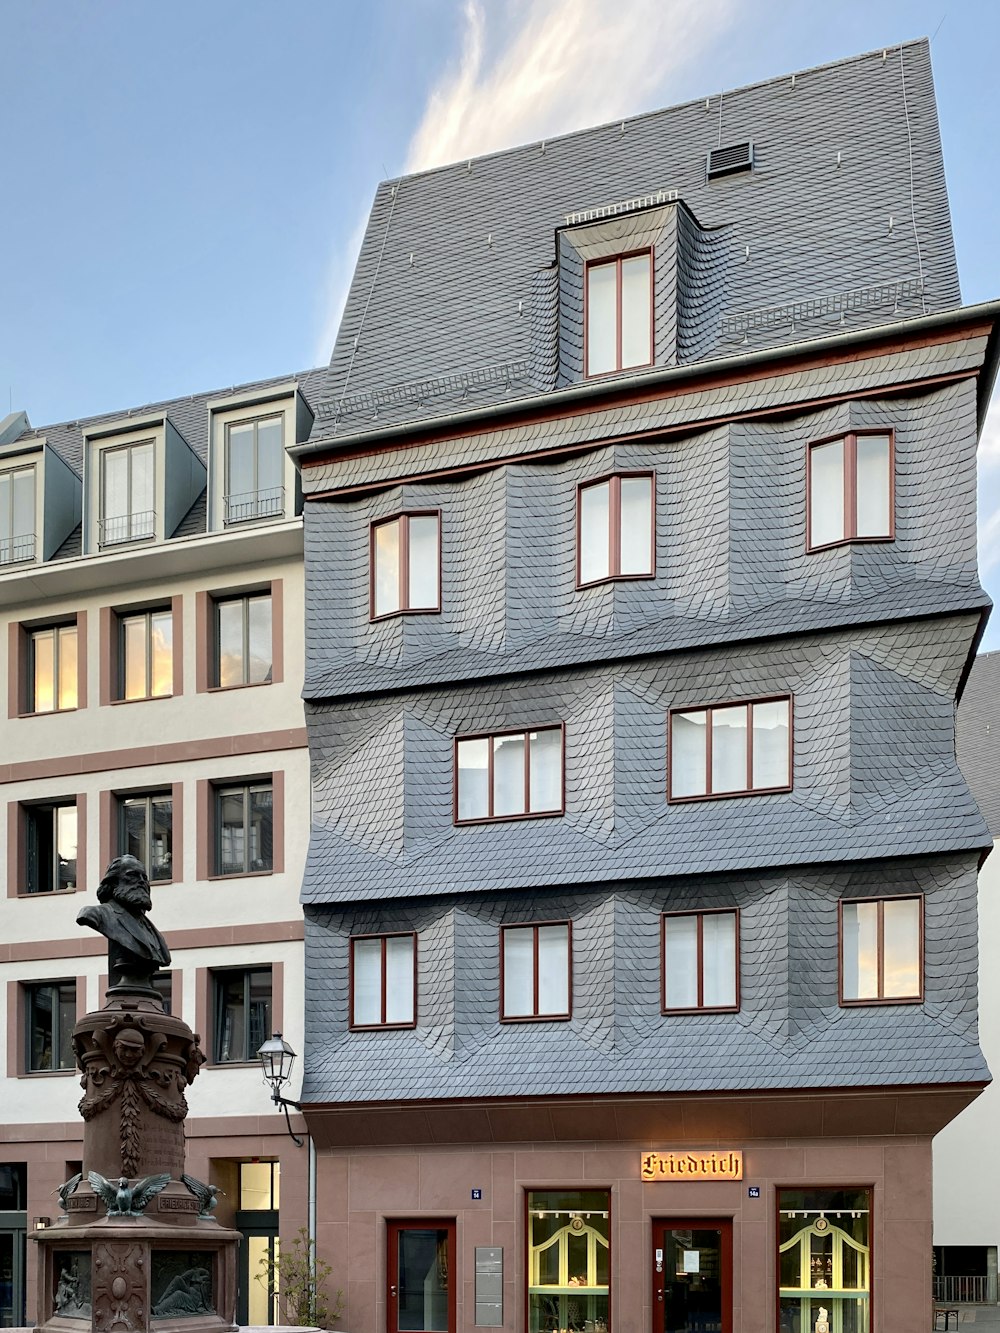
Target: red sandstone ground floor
column 805, row 1213
column 263, row 1174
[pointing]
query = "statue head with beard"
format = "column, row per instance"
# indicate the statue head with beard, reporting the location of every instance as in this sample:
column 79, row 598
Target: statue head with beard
column 136, row 949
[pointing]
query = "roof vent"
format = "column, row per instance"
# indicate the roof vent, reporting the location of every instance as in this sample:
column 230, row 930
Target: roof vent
column 724, row 161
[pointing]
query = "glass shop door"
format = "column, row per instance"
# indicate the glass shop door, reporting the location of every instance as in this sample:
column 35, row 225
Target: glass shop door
column 693, row 1276
column 420, row 1270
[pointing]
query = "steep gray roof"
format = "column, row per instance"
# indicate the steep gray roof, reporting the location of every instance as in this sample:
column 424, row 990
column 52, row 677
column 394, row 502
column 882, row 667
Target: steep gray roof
column 456, row 293
column 978, row 736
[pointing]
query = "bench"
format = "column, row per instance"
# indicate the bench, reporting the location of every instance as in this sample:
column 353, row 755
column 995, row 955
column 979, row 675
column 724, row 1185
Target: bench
column 947, row 1313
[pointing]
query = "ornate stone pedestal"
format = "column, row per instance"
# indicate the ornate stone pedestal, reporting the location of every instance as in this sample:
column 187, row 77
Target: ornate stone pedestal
column 136, row 1248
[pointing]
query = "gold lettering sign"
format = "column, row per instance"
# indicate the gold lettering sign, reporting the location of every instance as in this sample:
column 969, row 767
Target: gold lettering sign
column 691, row 1165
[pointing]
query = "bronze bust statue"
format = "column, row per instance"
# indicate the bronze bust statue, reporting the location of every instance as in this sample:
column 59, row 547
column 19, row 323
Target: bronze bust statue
column 136, row 949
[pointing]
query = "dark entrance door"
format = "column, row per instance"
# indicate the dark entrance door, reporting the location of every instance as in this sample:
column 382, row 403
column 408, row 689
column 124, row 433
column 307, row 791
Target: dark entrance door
column 693, row 1276
column 12, row 1257
column 420, row 1269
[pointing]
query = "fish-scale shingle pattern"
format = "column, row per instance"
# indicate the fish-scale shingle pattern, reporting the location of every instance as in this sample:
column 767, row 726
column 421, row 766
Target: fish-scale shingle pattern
column 790, row 1031
column 812, row 221
column 978, row 736
column 864, row 785
column 731, row 558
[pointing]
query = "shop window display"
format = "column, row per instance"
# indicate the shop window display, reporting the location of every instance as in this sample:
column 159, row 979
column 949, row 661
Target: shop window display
column 568, row 1260
column 823, row 1260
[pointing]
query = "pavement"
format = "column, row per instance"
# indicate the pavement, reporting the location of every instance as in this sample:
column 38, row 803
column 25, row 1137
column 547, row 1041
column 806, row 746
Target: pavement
column 984, row 1318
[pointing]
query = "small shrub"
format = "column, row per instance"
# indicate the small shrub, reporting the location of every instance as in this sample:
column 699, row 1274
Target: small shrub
column 298, row 1280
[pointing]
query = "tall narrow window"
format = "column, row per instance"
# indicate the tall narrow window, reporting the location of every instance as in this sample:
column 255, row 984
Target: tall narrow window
column 615, row 528
column 50, row 1015
column 850, row 489
column 17, row 515
column 242, row 1014
column 700, row 961
column 128, row 488
column 243, row 640
column 824, row 1259
column 730, row 749
column 569, row 1259
column 50, row 847
column 535, row 971
column 881, row 942
column 509, row 776
column 383, row 981
column 406, row 564
column 253, row 470
column 244, row 842
column 146, row 655
column 619, row 313
column 52, row 681
column 146, row 832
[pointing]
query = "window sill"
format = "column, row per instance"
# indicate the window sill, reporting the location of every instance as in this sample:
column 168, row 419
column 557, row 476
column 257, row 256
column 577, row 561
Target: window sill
column 509, row 819
column 536, row 1018
column 35, row 894
column 702, row 1009
column 382, row 1027
column 48, row 1073
column 405, row 611
column 729, row 795
column 616, row 578
column 232, row 1064
column 51, row 712
column 873, row 1003
column 619, row 370
column 851, row 541
column 248, row 685
column 244, row 874
column 142, row 699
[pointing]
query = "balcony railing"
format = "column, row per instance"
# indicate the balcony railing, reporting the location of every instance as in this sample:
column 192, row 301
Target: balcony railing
column 15, row 549
column 964, row 1290
column 140, row 527
column 255, row 504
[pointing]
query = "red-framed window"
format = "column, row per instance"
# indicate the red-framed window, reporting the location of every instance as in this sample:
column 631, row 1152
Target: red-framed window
column 536, row 971
column 700, row 961
column 509, row 775
column 730, row 749
column 405, row 564
column 383, row 980
column 882, row 950
column 618, row 320
column 615, row 528
column 850, row 489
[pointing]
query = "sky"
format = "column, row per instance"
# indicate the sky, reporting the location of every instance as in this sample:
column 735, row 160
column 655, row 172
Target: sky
column 186, row 184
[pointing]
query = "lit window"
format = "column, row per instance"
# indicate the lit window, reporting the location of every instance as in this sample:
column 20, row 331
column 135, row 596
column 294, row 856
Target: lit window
column 881, row 950
column 50, row 1016
column 700, row 961
column 569, row 1259
column 730, row 749
column 243, row 640
column 52, row 679
column 619, row 314
column 260, row 1185
column 128, row 487
column 405, row 564
column 509, row 776
column 242, row 1014
column 535, row 970
column 17, row 515
column 244, row 832
column 146, row 832
column 254, row 461
column 824, row 1240
column 383, row 981
column 850, row 490
column 615, row 529
column 51, row 847
column 146, row 655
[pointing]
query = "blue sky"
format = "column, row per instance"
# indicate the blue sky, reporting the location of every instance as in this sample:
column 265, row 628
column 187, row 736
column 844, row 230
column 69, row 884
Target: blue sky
column 185, row 184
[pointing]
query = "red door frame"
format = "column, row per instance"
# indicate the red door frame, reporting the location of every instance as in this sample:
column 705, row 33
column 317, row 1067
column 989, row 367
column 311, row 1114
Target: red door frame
column 724, row 1225
column 393, row 1229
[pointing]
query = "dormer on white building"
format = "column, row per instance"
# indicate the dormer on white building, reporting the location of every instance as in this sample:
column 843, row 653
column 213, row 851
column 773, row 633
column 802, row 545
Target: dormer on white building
column 39, row 495
column 251, row 476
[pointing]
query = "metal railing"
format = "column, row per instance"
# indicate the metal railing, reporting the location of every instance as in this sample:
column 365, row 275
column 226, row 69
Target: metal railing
column 255, row 504
column 15, row 549
column 963, row 1290
column 120, row 528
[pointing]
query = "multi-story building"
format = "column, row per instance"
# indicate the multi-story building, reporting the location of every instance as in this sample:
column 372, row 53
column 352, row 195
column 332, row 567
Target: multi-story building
column 151, row 599
column 641, row 582
column 966, row 1170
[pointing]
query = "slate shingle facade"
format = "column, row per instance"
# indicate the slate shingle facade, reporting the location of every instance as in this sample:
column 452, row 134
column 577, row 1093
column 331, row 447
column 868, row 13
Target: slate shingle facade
column 810, row 297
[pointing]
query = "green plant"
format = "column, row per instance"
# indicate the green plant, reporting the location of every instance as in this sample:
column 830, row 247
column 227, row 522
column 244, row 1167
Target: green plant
column 298, row 1279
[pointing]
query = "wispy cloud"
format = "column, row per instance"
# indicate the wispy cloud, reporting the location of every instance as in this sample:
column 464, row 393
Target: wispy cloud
column 560, row 66
column 989, row 495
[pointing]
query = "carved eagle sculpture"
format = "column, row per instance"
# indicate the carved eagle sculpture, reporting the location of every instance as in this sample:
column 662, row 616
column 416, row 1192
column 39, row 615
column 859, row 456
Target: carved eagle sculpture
column 64, row 1191
column 122, row 1201
column 207, row 1195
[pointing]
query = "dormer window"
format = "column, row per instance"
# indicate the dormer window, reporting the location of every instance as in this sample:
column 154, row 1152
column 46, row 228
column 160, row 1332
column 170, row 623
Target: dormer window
column 128, row 488
column 17, row 515
column 619, row 313
column 253, row 469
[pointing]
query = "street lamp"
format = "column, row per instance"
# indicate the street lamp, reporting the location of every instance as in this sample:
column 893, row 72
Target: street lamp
column 276, row 1059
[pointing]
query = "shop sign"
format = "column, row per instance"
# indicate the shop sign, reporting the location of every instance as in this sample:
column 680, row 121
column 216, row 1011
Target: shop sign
column 691, row 1165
